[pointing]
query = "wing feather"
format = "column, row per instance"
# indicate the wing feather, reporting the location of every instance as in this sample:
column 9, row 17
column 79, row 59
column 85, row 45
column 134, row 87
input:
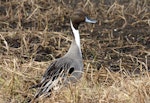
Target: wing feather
column 54, row 76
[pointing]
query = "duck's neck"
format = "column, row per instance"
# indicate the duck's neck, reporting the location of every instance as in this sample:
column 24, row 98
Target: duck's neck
column 76, row 35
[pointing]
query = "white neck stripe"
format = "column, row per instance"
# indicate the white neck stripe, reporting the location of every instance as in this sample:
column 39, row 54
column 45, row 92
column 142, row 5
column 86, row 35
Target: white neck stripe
column 76, row 34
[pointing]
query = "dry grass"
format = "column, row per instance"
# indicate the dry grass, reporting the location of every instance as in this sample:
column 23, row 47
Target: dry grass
column 116, row 50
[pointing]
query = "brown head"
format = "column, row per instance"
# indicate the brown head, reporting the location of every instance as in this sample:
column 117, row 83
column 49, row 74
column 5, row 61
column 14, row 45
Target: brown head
column 78, row 17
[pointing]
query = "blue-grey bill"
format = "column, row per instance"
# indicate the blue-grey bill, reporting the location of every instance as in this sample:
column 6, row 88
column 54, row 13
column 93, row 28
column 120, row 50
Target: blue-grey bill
column 89, row 20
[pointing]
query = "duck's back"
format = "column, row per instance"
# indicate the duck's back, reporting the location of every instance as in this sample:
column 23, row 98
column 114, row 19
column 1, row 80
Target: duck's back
column 61, row 72
column 67, row 66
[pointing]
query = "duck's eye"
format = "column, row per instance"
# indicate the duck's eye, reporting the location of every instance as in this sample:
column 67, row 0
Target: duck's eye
column 71, row 70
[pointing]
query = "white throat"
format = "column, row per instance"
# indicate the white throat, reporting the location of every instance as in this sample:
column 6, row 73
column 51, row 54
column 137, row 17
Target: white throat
column 76, row 34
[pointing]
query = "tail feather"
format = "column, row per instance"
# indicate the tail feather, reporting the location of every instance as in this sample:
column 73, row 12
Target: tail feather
column 42, row 93
column 44, row 89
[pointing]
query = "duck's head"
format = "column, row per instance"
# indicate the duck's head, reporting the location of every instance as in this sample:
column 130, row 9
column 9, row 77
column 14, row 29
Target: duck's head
column 78, row 17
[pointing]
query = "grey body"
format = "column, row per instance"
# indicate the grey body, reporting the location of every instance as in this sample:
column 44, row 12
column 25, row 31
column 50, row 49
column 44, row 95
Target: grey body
column 71, row 63
column 68, row 69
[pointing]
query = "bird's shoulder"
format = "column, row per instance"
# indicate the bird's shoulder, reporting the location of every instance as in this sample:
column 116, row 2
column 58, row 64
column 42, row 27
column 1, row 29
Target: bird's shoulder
column 61, row 63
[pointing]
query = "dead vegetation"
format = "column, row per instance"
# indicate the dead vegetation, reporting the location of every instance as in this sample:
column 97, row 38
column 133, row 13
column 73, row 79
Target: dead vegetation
column 116, row 50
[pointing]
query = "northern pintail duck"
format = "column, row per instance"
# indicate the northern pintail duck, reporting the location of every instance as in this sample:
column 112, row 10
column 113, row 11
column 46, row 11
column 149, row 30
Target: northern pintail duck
column 69, row 68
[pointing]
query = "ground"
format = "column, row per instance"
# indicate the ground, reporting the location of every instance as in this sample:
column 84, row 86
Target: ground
column 116, row 50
